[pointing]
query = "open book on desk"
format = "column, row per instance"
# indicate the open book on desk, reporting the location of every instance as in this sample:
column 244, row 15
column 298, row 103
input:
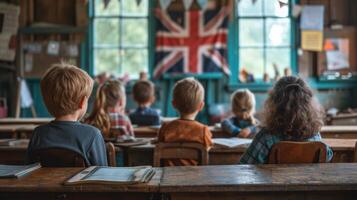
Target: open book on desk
column 231, row 142
column 16, row 171
column 112, row 175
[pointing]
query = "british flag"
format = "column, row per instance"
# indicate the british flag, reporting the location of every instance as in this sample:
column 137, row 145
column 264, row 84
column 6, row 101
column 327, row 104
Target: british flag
column 191, row 42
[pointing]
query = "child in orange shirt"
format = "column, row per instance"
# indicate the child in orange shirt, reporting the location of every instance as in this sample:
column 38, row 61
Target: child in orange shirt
column 188, row 100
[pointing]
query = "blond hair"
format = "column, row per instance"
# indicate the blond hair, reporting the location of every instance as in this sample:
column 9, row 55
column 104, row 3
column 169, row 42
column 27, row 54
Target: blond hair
column 108, row 95
column 63, row 87
column 143, row 91
column 188, row 93
column 243, row 105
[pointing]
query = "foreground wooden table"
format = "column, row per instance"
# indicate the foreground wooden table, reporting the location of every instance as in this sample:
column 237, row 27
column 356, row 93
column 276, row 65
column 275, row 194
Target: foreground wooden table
column 317, row 181
column 47, row 183
column 248, row 182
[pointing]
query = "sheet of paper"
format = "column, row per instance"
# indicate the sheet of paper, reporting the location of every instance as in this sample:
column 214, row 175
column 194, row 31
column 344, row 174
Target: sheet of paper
column 312, row 40
column 232, row 142
column 312, row 17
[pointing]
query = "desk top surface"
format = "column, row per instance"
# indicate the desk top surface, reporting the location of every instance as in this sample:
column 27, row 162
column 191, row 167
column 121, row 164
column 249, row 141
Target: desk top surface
column 317, row 177
column 52, row 179
column 225, row 178
column 10, row 120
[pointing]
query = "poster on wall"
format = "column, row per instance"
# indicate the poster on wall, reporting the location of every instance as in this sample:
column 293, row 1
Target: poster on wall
column 337, row 53
column 9, row 23
column 312, row 40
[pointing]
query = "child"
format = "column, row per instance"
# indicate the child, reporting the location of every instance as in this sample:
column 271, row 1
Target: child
column 188, row 100
column 291, row 114
column 65, row 90
column 144, row 95
column 243, row 124
column 109, row 110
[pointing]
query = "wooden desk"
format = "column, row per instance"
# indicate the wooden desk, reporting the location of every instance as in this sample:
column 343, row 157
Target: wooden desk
column 143, row 154
column 346, row 132
column 47, row 183
column 21, row 121
column 343, row 132
column 15, row 130
column 278, row 182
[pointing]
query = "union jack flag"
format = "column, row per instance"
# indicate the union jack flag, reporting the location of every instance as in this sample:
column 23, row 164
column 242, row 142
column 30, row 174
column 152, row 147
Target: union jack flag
column 191, row 41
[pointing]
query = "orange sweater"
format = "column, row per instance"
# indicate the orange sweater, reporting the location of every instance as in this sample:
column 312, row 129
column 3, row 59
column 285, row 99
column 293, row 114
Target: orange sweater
column 185, row 131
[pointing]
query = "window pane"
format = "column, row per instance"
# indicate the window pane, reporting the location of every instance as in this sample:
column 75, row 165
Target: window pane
column 106, row 60
column 252, row 60
column 248, row 8
column 135, row 32
column 251, row 32
column 278, row 32
column 272, row 8
column 131, row 8
column 134, row 61
column 106, row 31
column 111, row 9
column 280, row 57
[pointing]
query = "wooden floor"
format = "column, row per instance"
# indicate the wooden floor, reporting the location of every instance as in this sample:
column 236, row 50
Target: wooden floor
column 312, row 181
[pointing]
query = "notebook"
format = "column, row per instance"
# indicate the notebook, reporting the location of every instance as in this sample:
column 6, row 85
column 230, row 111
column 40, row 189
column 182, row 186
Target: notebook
column 112, row 175
column 231, row 142
column 16, row 171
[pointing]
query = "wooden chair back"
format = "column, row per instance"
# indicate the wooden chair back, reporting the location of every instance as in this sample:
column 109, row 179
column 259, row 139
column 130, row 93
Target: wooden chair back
column 59, row 157
column 111, row 156
column 297, row 152
column 191, row 151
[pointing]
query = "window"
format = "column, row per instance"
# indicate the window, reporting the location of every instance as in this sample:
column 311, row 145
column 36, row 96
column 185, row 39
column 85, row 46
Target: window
column 264, row 32
column 120, row 37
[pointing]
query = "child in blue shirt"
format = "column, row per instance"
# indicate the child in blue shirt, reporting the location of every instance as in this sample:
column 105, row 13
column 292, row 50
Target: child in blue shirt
column 291, row 114
column 242, row 124
column 144, row 95
column 65, row 89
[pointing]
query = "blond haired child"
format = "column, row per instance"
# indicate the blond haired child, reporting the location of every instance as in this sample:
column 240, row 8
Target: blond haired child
column 188, row 100
column 291, row 114
column 65, row 89
column 109, row 110
column 242, row 124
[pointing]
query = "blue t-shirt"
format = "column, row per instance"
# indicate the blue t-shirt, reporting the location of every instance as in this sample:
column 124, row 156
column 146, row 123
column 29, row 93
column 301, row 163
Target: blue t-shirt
column 81, row 138
column 234, row 125
column 145, row 116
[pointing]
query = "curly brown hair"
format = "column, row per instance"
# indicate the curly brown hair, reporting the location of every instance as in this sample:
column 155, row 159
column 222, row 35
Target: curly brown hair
column 292, row 110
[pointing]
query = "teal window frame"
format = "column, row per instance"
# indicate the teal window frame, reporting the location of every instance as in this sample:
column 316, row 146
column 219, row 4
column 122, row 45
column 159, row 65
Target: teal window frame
column 91, row 35
column 233, row 49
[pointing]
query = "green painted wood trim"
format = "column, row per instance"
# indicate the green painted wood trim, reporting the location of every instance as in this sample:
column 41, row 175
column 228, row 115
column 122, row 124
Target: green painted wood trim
column 152, row 38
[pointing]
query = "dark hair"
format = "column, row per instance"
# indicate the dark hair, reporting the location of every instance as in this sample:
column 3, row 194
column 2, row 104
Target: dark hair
column 292, row 110
column 143, row 91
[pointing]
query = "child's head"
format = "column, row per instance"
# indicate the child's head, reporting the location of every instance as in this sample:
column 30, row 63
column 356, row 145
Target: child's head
column 188, row 96
column 65, row 89
column 144, row 92
column 291, row 109
column 110, row 96
column 243, row 104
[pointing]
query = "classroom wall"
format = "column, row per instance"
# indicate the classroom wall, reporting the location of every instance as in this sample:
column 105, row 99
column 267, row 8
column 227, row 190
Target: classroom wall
column 332, row 96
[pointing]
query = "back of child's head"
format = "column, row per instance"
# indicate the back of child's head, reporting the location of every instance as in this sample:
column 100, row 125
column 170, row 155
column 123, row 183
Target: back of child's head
column 143, row 92
column 292, row 110
column 109, row 94
column 188, row 94
column 243, row 105
column 63, row 87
